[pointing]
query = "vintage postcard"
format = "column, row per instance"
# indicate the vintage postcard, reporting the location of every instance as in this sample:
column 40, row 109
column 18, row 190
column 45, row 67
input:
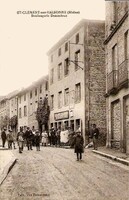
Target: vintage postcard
column 64, row 100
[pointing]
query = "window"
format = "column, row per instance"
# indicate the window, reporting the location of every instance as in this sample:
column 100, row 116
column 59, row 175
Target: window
column 51, row 125
column 52, row 76
column 77, row 38
column 40, row 89
column 59, row 71
column 52, row 101
column 59, row 52
column 25, row 111
column 35, row 91
column 66, row 67
column 77, row 56
column 51, row 58
column 12, row 103
column 20, row 99
column 46, row 85
column 66, row 125
column 126, row 44
column 66, row 96
column 114, row 57
column 78, row 92
column 66, row 46
column 30, row 109
column 78, row 123
column 60, row 99
column 115, row 12
column 31, row 95
column 20, row 114
column 24, row 97
column 36, row 105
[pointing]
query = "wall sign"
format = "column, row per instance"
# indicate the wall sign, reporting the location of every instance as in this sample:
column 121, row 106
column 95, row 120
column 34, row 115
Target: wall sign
column 61, row 115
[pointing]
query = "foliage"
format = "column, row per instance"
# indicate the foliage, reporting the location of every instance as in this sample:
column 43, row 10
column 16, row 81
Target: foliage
column 4, row 122
column 13, row 121
column 43, row 111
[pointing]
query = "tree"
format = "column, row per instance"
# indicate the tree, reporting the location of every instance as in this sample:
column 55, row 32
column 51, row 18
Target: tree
column 13, row 121
column 4, row 122
column 42, row 114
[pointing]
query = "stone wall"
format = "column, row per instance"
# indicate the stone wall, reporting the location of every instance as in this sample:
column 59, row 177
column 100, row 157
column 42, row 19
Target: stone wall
column 97, row 78
column 114, row 12
column 116, row 122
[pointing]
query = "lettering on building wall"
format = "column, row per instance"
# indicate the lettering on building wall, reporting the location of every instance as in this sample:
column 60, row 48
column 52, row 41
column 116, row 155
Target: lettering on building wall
column 61, row 115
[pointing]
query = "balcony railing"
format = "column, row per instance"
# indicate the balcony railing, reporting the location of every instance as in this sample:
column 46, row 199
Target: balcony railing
column 117, row 79
column 112, row 80
column 123, row 72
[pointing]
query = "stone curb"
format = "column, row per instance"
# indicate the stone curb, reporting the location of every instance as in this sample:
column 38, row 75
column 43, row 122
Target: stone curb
column 7, row 169
column 115, row 158
column 4, row 149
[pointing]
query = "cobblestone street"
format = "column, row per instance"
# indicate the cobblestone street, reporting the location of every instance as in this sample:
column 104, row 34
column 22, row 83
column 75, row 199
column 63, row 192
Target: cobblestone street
column 54, row 174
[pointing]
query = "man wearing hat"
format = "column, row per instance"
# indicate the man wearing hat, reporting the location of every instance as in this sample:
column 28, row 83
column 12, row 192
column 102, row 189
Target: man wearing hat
column 3, row 137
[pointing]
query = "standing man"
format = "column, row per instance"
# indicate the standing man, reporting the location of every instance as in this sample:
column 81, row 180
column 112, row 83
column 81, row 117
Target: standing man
column 3, row 137
column 95, row 136
column 29, row 138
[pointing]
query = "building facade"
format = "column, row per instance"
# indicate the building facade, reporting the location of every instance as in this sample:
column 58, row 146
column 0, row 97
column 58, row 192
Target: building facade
column 117, row 74
column 4, row 113
column 77, row 79
column 8, row 109
column 13, row 111
column 28, row 100
column 23, row 109
column 37, row 92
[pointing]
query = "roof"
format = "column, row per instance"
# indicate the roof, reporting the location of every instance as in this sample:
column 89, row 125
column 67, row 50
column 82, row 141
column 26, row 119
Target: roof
column 9, row 96
column 72, row 31
column 33, row 85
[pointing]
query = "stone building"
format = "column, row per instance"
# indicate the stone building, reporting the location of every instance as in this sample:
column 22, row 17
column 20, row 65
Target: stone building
column 77, row 78
column 117, row 74
column 13, row 110
column 28, row 99
column 8, row 109
column 4, row 112
column 37, row 92
column 23, row 108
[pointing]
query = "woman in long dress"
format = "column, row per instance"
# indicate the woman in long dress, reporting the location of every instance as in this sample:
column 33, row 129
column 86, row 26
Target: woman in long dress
column 44, row 138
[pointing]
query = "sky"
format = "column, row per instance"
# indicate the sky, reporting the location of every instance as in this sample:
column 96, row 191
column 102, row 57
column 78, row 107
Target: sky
column 25, row 40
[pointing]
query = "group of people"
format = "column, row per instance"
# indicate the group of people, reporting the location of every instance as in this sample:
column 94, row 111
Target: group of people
column 7, row 137
column 32, row 138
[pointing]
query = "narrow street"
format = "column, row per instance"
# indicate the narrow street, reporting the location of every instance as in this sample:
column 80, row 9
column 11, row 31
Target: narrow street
column 54, row 174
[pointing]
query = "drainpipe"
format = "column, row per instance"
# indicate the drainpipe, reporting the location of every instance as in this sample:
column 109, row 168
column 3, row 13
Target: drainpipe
column 86, row 82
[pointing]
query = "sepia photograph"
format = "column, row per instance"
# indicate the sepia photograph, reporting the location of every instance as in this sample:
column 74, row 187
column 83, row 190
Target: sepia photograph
column 64, row 100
